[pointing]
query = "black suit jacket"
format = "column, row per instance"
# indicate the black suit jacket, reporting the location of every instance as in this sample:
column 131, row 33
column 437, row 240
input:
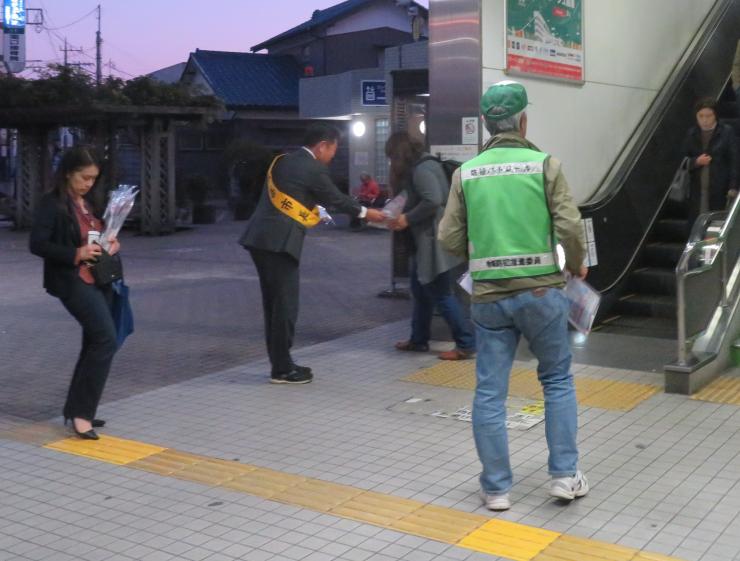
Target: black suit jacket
column 55, row 237
column 305, row 179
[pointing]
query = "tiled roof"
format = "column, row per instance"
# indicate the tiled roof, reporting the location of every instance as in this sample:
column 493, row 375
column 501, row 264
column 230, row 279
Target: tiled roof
column 323, row 17
column 251, row 80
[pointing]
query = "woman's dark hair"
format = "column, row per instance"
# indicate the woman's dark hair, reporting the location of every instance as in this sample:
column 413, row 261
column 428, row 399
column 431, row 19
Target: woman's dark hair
column 73, row 159
column 320, row 132
column 403, row 151
column 706, row 103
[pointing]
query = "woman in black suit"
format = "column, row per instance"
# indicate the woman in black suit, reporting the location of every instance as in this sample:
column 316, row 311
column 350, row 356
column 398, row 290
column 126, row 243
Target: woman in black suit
column 63, row 234
column 713, row 156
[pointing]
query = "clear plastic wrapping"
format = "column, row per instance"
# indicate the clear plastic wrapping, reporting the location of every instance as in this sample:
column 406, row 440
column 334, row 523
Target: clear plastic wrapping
column 119, row 206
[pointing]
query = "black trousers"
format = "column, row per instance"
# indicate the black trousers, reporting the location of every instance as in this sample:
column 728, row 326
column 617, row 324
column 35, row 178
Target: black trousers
column 279, row 280
column 91, row 307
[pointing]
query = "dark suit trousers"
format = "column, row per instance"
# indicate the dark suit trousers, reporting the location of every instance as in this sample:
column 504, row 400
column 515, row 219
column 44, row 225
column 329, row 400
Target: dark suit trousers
column 91, row 307
column 279, row 280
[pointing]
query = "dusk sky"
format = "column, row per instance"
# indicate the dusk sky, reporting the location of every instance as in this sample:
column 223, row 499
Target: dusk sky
column 140, row 36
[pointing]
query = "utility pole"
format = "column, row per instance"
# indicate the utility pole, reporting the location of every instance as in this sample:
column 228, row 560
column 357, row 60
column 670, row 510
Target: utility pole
column 66, row 50
column 98, row 53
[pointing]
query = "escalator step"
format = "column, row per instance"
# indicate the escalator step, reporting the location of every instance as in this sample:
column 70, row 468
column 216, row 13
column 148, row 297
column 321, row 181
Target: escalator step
column 671, row 230
column 653, row 280
column 662, row 254
column 734, row 123
column 727, row 110
column 650, row 305
column 662, row 328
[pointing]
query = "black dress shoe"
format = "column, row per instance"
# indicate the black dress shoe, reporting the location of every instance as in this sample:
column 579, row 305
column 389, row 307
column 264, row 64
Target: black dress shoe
column 87, row 435
column 295, row 376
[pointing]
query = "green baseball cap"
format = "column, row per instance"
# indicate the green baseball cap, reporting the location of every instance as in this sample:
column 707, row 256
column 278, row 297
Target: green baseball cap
column 503, row 100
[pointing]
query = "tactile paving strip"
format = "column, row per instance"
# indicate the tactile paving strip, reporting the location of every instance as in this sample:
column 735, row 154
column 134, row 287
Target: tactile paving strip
column 725, row 389
column 108, row 449
column 509, row 540
column 591, row 392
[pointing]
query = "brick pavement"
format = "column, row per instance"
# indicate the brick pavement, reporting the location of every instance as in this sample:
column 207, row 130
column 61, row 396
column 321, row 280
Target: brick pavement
column 197, row 307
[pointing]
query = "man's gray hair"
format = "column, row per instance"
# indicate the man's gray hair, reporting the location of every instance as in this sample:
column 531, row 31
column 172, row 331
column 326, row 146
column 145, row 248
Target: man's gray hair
column 509, row 124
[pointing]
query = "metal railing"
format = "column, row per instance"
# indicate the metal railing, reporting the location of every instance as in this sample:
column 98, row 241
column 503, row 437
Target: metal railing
column 707, row 281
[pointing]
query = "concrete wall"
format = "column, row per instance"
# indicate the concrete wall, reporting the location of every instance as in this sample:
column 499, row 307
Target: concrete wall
column 631, row 46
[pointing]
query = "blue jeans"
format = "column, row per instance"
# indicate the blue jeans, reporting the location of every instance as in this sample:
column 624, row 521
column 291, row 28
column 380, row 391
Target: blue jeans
column 438, row 293
column 542, row 317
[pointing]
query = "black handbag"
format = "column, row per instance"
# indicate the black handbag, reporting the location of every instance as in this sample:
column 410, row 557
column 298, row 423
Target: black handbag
column 107, row 269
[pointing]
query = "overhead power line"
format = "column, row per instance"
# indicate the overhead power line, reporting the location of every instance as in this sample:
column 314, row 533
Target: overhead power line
column 74, row 22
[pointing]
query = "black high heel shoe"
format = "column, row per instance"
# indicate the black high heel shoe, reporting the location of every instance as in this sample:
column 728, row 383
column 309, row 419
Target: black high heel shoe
column 87, row 435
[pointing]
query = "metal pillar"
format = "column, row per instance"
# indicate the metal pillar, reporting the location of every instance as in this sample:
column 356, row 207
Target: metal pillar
column 157, row 179
column 30, row 174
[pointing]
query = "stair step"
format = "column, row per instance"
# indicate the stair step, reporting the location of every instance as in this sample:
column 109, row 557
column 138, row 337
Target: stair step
column 653, row 280
column 727, row 110
column 662, row 254
column 639, row 326
column 647, row 305
column 671, row 230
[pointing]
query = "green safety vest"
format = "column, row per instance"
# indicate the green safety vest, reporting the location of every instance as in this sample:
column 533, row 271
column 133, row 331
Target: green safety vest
column 509, row 223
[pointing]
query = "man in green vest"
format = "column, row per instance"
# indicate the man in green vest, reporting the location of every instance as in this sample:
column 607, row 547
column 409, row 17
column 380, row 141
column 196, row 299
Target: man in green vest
column 507, row 209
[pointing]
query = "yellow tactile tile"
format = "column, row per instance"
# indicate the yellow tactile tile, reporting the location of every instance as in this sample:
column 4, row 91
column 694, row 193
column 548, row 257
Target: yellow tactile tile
column 318, row 495
column 646, row 556
column 725, row 389
column 567, row 548
column 591, row 392
column 108, row 449
column 439, row 523
column 376, row 508
column 264, row 483
column 508, row 539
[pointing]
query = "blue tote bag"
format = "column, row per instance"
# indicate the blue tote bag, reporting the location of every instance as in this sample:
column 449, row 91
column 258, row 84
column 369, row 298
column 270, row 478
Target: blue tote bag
column 123, row 317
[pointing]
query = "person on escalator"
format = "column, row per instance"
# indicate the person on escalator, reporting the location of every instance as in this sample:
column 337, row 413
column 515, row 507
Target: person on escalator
column 712, row 150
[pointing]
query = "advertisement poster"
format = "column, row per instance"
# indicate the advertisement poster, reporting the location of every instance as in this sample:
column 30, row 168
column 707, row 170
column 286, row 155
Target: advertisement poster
column 544, row 38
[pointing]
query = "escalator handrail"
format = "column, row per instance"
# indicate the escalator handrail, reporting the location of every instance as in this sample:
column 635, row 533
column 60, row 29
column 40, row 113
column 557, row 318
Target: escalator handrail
column 635, row 146
column 684, row 270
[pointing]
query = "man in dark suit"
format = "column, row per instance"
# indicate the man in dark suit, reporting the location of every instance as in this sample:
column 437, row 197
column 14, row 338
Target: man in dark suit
column 295, row 184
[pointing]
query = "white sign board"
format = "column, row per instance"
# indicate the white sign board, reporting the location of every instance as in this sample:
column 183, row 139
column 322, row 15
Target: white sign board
column 470, row 130
column 457, row 152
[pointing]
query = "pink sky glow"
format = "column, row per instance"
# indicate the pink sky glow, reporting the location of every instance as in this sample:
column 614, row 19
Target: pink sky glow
column 140, row 36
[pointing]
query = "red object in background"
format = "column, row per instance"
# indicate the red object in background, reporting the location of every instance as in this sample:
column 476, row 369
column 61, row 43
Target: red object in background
column 308, row 71
column 559, row 12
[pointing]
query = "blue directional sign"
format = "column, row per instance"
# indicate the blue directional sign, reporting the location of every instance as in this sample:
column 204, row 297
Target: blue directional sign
column 14, row 14
column 373, row 92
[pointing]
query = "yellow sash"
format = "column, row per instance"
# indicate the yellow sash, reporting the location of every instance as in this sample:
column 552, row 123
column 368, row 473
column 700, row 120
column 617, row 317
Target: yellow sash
column 288, row 205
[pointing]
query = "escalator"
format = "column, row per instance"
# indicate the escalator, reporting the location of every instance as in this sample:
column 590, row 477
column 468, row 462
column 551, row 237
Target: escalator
column 640, row 236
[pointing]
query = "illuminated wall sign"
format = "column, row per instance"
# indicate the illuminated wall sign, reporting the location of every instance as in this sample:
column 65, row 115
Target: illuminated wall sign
column 13, row 52
column 14, row 14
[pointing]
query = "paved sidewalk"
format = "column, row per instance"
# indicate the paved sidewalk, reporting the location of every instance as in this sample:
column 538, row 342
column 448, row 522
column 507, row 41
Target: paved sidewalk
column 665, row 475
column 197, row 308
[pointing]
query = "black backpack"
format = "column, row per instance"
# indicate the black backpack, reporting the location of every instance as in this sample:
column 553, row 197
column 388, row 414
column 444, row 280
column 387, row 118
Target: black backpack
column 449, row 166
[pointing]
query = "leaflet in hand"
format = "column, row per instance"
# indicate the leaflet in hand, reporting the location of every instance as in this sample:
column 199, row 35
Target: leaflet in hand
column 392, row 210
column 584, row 303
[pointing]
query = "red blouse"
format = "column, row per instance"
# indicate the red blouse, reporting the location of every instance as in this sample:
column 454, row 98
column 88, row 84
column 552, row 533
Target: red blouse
column 87, row 222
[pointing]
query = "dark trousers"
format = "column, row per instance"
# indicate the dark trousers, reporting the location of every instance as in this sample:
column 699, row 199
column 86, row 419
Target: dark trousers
column 279, row 280
column 438, row 293
column 91, row 307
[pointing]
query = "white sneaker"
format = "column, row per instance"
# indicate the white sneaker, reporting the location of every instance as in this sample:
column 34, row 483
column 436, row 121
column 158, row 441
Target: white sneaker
column 495, row 502
column 569, row 488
